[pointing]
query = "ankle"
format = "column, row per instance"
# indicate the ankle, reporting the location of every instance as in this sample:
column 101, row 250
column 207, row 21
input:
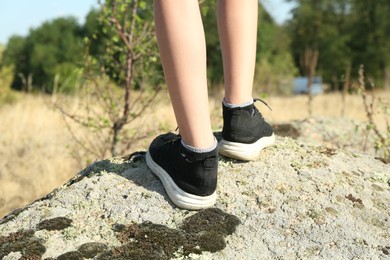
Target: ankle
column 201, row 149
column 231, row 104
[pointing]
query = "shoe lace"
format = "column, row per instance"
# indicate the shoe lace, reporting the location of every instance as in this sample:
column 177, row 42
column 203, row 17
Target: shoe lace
column 178, row 136
column 262, row 101
column 255, row 110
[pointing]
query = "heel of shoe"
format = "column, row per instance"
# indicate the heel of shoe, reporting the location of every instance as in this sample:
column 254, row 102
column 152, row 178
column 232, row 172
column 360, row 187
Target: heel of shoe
column 245, row 152
column 178, row 196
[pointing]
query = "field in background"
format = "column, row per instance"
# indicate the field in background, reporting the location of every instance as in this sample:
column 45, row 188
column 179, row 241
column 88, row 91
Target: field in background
column 38, row 153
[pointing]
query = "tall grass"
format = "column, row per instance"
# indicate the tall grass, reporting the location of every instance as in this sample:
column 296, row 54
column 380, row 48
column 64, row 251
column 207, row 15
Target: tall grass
column 33, row 151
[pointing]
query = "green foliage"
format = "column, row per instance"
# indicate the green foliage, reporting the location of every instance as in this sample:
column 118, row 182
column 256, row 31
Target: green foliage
column 346, row 33
column 93, row 33
column 274, row 63
column 13, row 53
column 109, row 50
column 275, row 67
column 121, row 75
column 274, row 75
column 6, row 72
column 213, row 47
column 44, row 52
column 67, row 78
column 15, row 56
column 52, row 54
column 321, row 25
column 370, row 37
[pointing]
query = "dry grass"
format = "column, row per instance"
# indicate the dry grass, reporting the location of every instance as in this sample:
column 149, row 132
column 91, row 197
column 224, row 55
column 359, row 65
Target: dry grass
column 330, row 105
column 33, row 151
column 38, row 154
column 289, row 108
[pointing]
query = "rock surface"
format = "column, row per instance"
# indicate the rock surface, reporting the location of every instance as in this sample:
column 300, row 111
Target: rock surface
column 296, row 201
column 334, row 132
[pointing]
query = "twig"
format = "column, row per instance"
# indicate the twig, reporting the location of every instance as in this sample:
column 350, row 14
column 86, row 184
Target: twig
column 369, row 106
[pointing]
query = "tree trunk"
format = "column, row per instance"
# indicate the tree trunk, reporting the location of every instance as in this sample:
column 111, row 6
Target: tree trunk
column 345, row 89
column 309, row 64
column 123, row 120
column 386, row 78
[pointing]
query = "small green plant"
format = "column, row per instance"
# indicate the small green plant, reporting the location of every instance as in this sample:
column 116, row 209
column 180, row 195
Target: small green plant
column 373, row 106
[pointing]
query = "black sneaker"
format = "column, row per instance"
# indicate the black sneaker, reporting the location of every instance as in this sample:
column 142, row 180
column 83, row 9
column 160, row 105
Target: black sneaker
column 189, row 178
column 245, row 132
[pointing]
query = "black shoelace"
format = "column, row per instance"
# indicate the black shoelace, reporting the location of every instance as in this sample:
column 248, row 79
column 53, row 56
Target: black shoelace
column 262, row 101
column 255, row 110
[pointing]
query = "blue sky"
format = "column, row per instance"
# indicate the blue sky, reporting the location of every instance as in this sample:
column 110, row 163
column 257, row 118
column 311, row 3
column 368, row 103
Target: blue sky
column 279, row 9
column 18, row 16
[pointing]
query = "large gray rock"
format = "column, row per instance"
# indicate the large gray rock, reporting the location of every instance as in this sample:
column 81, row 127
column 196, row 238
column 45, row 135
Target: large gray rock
column 296, row 201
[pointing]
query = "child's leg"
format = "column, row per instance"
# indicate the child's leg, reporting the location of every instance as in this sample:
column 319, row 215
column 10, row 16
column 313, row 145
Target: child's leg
column 237, row 26
column 245, row 132
column 181, row 41
column 187, row 170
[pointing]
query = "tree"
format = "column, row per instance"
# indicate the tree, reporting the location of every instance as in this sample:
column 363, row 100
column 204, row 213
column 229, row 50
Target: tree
column 130, row 58
column 213, row 47
column 370, row 38
column 6, row 73
column 93, row 30
column 15, row 55
column 320, row 26
column 346, row 33
column 13, row 51
column 309, row 63
column 273, row 59
column 53, row 48
column 274, row 63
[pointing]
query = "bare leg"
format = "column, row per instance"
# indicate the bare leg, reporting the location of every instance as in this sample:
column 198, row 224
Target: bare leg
column 237, row 26
column 182, row 46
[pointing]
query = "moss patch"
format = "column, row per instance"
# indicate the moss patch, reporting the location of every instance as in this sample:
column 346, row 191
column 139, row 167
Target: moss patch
column 212, row 220
column 90, row 250
column 287, row 130
column 204, row 231
column 59, row 223
column 354, row 199
column 13, row 214
column 386, row 250
column 72, row 255
column 24, row 242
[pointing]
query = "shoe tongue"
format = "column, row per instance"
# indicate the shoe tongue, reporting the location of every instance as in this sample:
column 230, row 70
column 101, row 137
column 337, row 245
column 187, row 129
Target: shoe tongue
column 252, row 109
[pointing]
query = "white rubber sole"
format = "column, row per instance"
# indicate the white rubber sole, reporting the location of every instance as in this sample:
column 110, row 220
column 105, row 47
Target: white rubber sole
column 245, row 152
column 179, row 197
